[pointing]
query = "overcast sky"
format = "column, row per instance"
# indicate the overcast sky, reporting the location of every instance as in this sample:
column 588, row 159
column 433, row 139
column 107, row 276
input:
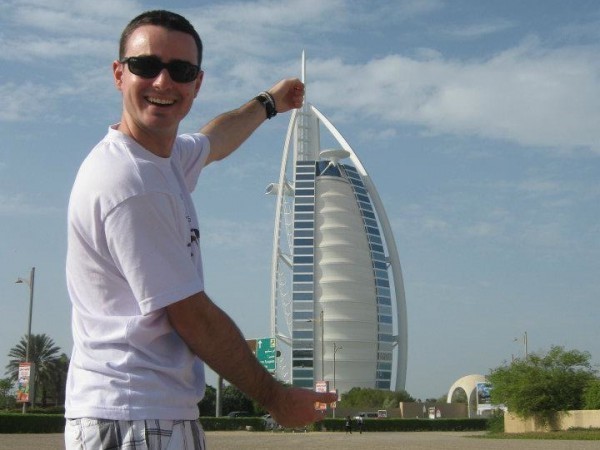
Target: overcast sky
column 477, row 121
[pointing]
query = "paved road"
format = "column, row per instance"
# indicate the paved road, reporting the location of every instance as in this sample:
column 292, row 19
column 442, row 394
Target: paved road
column 242, row 440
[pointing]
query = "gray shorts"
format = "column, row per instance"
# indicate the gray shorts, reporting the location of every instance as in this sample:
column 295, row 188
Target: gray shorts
column 102, row 434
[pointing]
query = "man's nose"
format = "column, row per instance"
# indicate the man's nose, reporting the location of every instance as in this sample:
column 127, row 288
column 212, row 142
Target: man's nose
column 163, row 78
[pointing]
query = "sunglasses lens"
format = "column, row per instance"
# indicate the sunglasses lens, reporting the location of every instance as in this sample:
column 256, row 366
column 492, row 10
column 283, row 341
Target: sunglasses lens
column 182, row 72
column 150, row 67
column 145, row 67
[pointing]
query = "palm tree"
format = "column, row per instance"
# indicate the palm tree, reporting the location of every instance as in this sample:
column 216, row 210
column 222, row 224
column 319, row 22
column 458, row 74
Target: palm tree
column 43, row 353
column 59, row 379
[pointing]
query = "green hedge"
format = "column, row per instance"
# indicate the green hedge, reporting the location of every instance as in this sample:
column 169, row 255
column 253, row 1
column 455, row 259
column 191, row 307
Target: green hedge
column 52, row 423
column 55, row 423
column 230, row 423
column 32, row 423
column 406, row 425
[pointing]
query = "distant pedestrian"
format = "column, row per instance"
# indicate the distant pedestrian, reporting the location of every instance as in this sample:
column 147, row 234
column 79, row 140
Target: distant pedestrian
column 361, row 423
column 348, row 425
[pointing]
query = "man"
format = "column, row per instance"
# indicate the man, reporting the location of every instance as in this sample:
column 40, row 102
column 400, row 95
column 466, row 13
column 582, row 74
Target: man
column 142, row 323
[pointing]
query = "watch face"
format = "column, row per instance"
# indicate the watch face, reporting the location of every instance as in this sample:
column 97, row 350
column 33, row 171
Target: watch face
column 267, row 101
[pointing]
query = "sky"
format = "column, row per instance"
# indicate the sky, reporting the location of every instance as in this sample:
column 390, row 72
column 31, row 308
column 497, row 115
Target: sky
column 477, row 121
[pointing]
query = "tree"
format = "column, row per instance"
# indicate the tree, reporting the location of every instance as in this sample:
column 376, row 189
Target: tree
column 591, row 395
column 7, row 395
column 374, row 398
column 58, row 377
column 543, row 384
column 236, row 400
column 208, row 404
column 43, row 353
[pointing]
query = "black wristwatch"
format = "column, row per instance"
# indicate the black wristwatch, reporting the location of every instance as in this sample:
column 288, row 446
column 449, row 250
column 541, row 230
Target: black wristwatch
column 268, row 102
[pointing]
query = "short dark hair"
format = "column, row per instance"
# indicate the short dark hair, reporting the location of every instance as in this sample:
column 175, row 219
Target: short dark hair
column 166, row 19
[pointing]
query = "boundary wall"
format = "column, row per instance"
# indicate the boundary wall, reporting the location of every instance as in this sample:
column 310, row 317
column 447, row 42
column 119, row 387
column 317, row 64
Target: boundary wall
column 562, row 421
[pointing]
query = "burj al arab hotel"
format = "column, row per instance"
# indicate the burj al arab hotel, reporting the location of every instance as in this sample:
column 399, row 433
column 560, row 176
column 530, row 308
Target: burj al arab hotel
column 338, row 310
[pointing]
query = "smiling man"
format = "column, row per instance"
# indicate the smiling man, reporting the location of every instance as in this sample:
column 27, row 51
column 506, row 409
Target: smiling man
column 143, row 327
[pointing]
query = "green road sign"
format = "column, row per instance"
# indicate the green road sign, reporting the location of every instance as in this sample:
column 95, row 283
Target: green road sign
column 266, row 353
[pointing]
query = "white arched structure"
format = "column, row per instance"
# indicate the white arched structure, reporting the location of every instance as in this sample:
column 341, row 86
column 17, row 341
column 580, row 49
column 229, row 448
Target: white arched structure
column 469, row 385
column 338, row 309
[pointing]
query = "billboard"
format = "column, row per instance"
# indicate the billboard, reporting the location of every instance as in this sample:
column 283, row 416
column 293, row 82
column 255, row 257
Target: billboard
column 321, row 386
column 25, row 383
column 483, row 394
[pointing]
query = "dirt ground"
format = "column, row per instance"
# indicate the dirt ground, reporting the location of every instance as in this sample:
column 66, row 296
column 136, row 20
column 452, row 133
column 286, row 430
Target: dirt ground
column 241, row 440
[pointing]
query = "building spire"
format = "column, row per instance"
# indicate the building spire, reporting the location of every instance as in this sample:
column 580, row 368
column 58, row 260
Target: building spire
column 304, row 76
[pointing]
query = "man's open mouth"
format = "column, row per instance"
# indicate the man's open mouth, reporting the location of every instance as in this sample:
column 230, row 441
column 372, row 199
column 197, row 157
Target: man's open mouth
column 160, row 101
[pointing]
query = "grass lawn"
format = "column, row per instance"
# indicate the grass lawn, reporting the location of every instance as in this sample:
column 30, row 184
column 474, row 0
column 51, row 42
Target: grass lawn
column 570, row 435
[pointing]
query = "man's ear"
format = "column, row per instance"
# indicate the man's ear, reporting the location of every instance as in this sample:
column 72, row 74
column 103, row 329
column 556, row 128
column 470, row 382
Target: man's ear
column 118, row 74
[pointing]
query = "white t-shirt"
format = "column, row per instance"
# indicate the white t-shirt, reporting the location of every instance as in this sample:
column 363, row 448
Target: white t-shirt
column 133, row 249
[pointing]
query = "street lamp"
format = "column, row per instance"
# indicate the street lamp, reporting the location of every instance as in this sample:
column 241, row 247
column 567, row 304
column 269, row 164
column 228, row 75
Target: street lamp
column 30, row 283
column 320, row 321
column 336, row 348
column 322, row 346
column 525, row 343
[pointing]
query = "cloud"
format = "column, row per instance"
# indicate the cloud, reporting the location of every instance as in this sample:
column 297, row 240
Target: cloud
column 227, row 234
column 538, row 186
column 34, row 29
column 32, row 49
column 545, row 214
column 478, row 30
column 483, row 230
column 530, row 95
column 22, row 102
column 56, row 102
column 20, row 204
column 251, row 35
column 65, row 17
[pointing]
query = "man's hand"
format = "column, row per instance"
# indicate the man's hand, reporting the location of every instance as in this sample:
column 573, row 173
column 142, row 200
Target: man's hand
column 295, row 407
column 288, row 94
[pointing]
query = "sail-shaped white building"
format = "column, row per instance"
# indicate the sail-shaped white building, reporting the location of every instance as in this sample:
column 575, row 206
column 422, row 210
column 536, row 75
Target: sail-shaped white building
column 338, row 309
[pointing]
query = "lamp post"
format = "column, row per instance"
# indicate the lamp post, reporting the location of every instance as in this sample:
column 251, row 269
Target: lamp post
column 322, row 346
column 336, row 348
column 525, row 343
column 30, row 282
column 322, row 332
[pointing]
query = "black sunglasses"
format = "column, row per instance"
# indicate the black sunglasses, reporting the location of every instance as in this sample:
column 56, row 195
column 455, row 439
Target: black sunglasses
column 151, row 66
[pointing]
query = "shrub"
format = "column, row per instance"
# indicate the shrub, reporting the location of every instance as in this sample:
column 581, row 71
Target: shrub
column 407, row 425
column 230, row 423
column 496, row 423
column 32, row 423
column 591, row 395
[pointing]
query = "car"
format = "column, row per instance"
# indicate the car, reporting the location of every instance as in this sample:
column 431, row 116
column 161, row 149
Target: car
column 366, row 415
column 269, row 422
column 234, row 414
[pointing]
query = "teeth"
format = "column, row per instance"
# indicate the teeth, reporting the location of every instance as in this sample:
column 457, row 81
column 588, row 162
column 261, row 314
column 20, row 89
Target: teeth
column 160, row 101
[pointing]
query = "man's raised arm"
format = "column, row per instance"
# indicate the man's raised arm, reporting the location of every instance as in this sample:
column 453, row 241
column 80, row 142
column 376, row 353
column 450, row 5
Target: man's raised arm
column 228, row 131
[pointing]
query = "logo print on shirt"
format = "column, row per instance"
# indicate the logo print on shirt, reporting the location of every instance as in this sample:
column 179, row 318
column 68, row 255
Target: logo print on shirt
column 194, row 240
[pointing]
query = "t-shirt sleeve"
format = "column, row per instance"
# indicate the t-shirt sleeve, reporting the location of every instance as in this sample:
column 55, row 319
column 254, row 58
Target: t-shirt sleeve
column 151, row 252
column 193, row 151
